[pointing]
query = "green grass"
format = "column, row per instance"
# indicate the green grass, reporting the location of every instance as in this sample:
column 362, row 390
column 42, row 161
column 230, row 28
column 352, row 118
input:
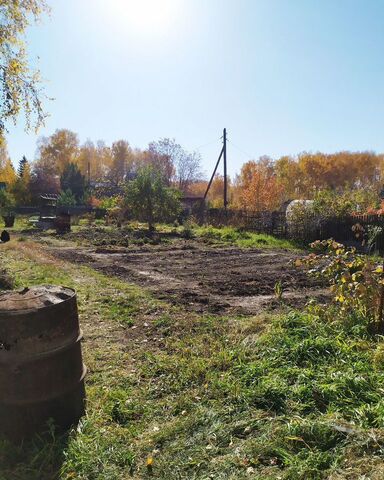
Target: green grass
column 22, row 223
column 242, row 238
column 135, row 233
column 286, row 396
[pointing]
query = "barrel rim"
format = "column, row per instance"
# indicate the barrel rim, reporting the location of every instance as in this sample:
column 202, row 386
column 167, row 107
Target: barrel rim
column 11, row 313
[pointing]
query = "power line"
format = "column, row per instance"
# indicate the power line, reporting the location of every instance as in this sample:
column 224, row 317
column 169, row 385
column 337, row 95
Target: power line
column 206, row 144
column 241, row 150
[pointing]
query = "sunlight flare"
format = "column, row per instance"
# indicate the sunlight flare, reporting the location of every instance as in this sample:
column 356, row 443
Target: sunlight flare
column 149, row 17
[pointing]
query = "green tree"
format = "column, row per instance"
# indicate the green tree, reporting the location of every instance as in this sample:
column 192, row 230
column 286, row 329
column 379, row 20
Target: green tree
column 21, row 189
column 73, row 180
column 149, row 199
column 20, row 88
column 66, row 199
column 7, row 202
column 22, row 163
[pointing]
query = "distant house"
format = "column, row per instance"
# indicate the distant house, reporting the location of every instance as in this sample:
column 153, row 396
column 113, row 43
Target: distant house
column 105, row 189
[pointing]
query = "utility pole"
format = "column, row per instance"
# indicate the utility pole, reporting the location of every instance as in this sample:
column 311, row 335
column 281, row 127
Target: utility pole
column 225, row 169
column 223, row 153
column 89, row 173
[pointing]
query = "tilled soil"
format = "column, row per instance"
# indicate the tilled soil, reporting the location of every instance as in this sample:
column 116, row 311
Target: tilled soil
column 204, row 278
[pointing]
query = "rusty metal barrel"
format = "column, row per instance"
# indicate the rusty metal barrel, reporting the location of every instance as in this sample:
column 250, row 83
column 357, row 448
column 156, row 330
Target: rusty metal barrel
column 63, row 223
column 41, row 367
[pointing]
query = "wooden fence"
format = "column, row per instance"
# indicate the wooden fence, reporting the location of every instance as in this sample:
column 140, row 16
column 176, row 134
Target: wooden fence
column 355, row 230
column 272, row 223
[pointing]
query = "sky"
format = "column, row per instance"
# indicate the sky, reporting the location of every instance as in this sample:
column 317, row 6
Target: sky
column 283, row 76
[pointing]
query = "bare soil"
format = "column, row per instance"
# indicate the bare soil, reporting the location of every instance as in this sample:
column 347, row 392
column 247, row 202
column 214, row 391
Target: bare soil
column 204, row 278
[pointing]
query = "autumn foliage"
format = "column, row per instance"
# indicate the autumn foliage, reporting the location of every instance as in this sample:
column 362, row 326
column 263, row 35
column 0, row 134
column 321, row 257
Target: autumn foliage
column 348, row 181
column 257, row 187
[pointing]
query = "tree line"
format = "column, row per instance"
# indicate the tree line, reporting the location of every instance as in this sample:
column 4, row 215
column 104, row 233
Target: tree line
column 81, row 171
column 266, row 184
column 63, row 165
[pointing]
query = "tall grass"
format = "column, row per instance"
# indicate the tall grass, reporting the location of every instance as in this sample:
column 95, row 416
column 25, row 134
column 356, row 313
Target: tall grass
column 242, row 238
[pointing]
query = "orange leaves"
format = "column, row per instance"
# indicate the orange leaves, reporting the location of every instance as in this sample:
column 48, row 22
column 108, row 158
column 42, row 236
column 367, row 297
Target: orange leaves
column 307, row 173
column 216, row 192
column 7, row 172
column 257, row 186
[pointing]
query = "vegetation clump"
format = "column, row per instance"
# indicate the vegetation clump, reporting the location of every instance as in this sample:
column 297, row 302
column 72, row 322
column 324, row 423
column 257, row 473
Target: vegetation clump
column 6, row 280
column 7, row 203
column 149, row 199
column 356, row 282
column 241, row 238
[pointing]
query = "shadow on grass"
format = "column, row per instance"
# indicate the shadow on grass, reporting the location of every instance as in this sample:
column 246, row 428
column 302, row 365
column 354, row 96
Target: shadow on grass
column 39, row 458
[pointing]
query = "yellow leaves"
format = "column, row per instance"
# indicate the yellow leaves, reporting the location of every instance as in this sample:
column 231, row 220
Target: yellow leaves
column 7, row 172
column 355, row 281
column 15, row 67
column 20, row 83
column 149, row 464
column 257, row 186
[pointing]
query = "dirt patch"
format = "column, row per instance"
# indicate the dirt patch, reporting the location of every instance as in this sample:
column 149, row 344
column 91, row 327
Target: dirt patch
column 203, row 278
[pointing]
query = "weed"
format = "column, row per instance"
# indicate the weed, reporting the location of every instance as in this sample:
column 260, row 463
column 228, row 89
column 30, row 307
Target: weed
column 278, row 289
column 187, row 230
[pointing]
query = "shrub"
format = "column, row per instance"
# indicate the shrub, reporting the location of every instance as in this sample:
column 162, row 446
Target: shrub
column 187, row 230
column 108, row 203
column 7, row 202
column 66, row 199
column 357, row 282
column 148, row 198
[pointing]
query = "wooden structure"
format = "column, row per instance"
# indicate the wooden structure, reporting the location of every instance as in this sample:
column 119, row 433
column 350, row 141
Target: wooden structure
column 48, row 207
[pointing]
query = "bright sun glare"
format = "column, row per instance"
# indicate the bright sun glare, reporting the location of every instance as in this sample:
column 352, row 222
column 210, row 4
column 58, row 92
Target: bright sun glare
column 145, row 16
